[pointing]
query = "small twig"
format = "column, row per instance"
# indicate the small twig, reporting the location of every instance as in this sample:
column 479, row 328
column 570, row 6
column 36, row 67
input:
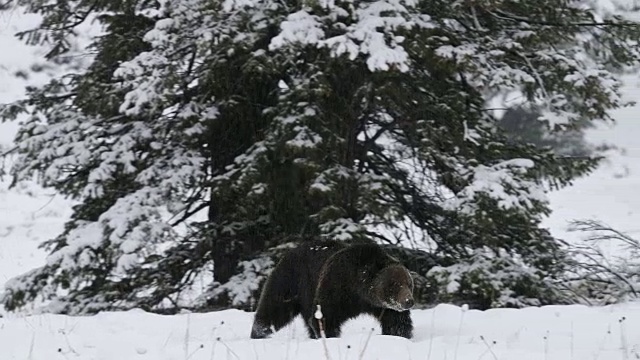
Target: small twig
column 195, row 351
column 319, row 316
column 601, row 347
column 476, row 22
column 572, row 341
column 623, row 339
column 433, row 316
column 15, row 148
column 255, row 352
column 33, row 340
column 546, row 346
column 213, row 346
column 229, row 349
column 66, row 339
column 366, row 344
column 288, row 348
column 463, row 310
column 489, row 348
column 186, row 338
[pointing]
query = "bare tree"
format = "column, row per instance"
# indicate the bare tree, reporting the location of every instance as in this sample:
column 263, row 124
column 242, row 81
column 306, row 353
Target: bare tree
column 601, row 277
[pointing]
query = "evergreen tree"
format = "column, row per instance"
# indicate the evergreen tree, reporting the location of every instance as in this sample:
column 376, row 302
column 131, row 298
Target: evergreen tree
column 208, row 134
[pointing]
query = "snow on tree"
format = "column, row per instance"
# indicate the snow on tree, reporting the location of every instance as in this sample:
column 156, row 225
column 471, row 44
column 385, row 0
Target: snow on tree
column 205, row 134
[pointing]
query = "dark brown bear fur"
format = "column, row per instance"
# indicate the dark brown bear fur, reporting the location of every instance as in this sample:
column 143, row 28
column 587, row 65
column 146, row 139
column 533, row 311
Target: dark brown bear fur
column 345, row 281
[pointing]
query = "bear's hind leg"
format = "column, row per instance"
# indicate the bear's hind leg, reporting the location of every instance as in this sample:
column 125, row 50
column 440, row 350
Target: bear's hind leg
column 331, row 328
column 311, row 323
column 334, row 315
column 395, row 323
column 279, row 302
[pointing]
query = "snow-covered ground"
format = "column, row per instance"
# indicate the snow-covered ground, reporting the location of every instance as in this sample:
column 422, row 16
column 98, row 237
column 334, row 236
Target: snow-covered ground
column 30, row 215
column 444, row 332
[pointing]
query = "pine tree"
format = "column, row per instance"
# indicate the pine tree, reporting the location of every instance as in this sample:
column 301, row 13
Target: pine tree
column 206, row 135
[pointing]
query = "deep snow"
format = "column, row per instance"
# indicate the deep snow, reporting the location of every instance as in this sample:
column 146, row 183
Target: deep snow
column 30, row 215
column 445, row 332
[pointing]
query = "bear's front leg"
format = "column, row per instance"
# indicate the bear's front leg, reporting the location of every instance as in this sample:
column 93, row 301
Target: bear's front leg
column 260, row 331
column 397, row 323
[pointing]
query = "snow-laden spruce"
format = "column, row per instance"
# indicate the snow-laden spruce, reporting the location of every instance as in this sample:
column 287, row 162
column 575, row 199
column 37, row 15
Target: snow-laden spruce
column 206, row 134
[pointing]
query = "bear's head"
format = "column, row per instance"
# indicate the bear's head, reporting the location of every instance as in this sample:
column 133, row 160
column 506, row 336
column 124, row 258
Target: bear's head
column 393, row 288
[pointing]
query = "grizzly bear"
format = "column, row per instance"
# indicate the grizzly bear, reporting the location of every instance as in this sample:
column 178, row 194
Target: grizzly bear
column 345, row 281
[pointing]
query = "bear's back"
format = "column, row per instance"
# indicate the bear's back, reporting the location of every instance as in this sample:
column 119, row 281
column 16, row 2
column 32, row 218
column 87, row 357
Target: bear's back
column 305, row 262
column 364, row 256
column 316, row 253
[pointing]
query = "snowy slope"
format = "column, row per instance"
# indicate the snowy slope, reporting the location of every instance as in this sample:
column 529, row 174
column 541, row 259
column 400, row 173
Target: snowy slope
column 445, row 332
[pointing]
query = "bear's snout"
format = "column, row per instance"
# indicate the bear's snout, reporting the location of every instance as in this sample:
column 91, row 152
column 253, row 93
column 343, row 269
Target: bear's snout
column 408, row 303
